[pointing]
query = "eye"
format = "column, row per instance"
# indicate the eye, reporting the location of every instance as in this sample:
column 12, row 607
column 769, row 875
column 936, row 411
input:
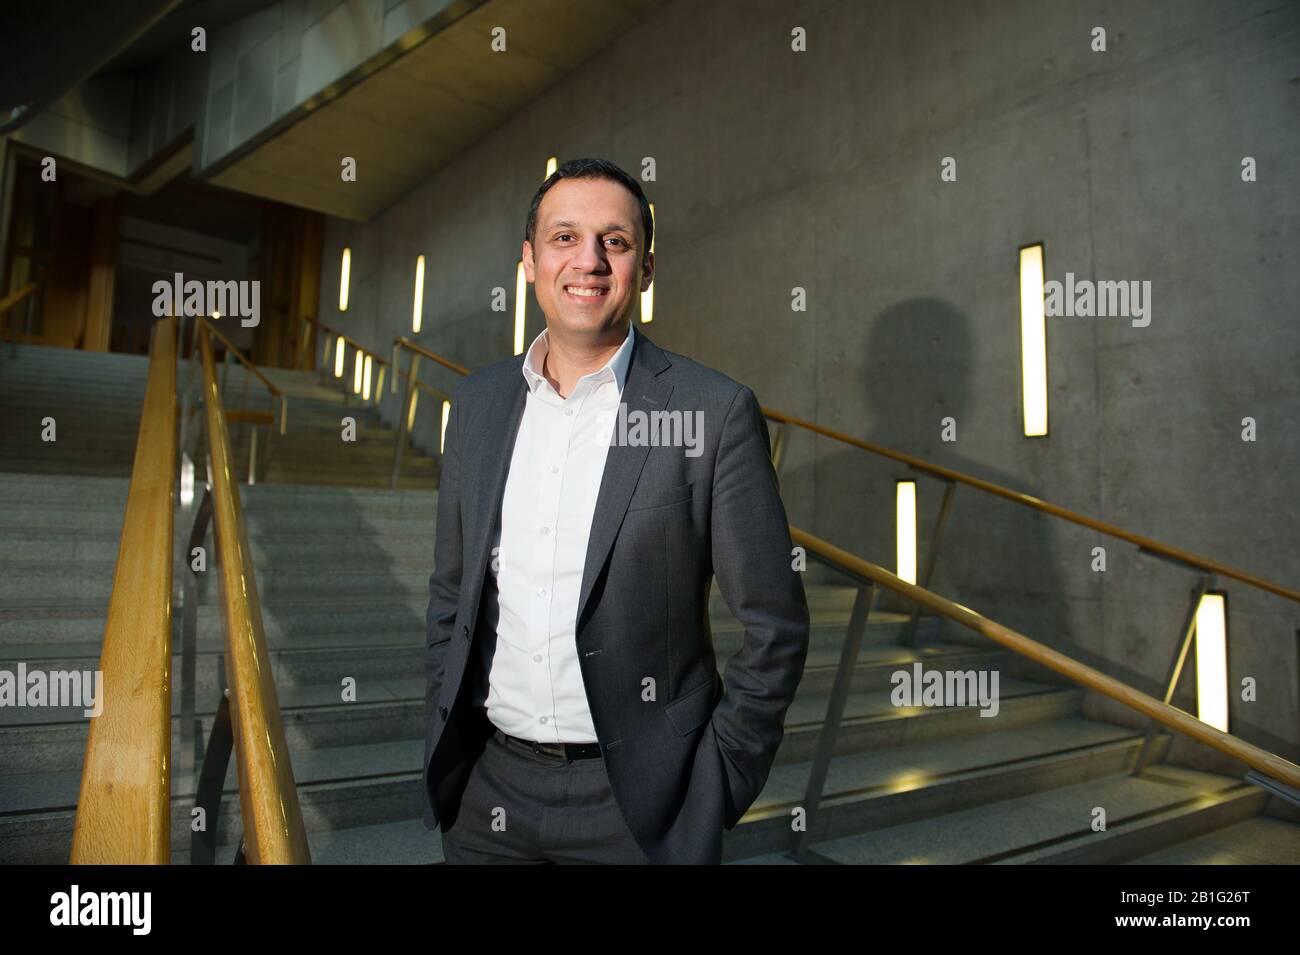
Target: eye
column 617, row 239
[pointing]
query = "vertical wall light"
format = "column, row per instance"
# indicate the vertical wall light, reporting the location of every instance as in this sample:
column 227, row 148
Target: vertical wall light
column 905, row 529
column 521, row 306
column 345, row 276
column 442, row 440
column 1033, row 341
column 357, row 365
column 365, row 381
column 551, row 165
column 417, row 310
column 1212, row 660
column 338, row 357
column 648, row 296
column 410, row 414
column 187, row 480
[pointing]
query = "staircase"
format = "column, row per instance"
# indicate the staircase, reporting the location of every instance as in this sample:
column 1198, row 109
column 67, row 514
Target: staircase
column 312, row 450
column 947, row 785
column 342, row 565
column 94, row 398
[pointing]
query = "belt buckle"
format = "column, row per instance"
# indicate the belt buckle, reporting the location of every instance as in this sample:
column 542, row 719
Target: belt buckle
column 549, row 749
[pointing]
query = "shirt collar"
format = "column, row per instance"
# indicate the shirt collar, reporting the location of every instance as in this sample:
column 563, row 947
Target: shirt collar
column 616, row 367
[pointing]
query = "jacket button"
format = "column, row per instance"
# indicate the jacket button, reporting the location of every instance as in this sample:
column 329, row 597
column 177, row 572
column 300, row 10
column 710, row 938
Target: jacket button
column 464, row 631
column 442, row 711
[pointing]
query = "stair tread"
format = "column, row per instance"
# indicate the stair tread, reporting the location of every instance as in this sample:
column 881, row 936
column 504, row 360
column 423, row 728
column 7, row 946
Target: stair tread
column 1016, row 824
column 1257, row 841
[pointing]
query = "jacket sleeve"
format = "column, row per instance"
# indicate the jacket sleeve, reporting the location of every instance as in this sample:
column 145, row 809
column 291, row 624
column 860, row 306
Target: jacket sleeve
column 444, row 583
column 752, row 560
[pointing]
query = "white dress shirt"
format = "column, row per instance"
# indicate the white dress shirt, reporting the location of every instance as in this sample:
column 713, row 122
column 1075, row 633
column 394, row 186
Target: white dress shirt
column 534, row 682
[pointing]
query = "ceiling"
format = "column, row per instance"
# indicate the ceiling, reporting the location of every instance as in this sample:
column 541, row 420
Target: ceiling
column 402, row 121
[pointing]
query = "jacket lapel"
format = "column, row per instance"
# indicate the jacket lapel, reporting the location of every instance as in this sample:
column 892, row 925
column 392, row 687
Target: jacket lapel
column 642, row 391
column 500, row 426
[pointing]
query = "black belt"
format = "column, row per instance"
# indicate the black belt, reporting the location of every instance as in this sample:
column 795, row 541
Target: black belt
column 567, row 750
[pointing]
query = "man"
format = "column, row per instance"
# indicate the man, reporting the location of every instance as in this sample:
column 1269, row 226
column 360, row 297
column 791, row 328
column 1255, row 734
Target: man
column 575, row 708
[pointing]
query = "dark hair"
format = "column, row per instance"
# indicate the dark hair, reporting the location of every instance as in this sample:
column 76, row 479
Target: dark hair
column 593, row 169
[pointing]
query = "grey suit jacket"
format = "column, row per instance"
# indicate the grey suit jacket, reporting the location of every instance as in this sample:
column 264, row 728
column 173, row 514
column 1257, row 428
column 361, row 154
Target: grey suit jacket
column 689, row 762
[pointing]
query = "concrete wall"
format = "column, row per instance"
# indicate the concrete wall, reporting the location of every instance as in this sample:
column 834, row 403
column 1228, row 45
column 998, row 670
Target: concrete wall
column 271, row 62
column 822, row 170
column 90, row 124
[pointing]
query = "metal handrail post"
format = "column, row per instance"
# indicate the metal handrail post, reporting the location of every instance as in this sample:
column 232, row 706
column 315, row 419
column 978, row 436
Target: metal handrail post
column 931, row 559
column 1156, row 729
column 834, row 713
column 326, row 365
column 404, row 418
column 189, row 637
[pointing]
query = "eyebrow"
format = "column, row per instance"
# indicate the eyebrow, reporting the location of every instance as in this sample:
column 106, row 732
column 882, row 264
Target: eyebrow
column 608, row 227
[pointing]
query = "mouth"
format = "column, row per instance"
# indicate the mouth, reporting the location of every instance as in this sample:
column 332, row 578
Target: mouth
column 586, row 293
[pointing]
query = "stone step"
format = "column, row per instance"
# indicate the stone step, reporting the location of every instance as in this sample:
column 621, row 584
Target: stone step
column 1165, row 806
column 1260, row 840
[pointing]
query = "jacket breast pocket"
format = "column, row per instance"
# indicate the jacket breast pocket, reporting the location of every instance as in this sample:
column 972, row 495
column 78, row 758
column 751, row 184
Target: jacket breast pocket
column 688, row 713
column 662, row 498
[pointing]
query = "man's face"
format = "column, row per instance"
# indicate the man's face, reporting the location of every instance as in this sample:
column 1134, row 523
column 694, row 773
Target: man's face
column 588, row 234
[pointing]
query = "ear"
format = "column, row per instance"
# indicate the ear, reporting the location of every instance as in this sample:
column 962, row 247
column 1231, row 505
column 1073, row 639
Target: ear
column 648, row 272
column 526, row 256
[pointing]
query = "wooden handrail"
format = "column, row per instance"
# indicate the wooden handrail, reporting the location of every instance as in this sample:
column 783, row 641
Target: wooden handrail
column 429, row 389
column 1262, row 760
column 424, row 386
column 379, row 360
column 421, row 350
column 13, row 298
column 268, row 799
column 947, row 474
column 230, row 347
column 1172, row 717
column 124, row 806
column 1026, row 500
column 249, row 416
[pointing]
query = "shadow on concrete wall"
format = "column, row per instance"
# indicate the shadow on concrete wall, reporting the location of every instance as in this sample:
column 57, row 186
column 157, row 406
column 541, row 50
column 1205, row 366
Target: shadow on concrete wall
column 1002, row 559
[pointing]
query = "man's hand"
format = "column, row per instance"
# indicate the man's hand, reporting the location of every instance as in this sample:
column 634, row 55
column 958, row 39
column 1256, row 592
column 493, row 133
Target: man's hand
column 752, row 558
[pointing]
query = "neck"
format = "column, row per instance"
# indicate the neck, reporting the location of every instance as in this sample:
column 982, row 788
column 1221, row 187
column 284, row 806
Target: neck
column 567, row 361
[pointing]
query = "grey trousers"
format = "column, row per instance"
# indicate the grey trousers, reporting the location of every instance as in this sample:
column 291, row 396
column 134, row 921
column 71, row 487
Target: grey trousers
column 520, row 806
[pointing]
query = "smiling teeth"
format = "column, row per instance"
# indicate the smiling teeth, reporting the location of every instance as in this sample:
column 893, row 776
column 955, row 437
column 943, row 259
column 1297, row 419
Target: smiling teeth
column 586, row 292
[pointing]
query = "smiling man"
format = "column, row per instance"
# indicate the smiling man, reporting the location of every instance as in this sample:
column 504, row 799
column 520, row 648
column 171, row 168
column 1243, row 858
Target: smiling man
column 575, row 709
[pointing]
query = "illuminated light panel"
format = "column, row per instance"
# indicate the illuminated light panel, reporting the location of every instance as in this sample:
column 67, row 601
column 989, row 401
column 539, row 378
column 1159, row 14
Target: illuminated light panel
column 905, row 530
column 345, row 277
column 1033, row 341
column 1212, row 661
column 417, row 310
column 521, row 309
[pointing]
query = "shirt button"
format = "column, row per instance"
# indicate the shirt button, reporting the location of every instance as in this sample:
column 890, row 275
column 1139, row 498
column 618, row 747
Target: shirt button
column 537, row 658
column 568, row 411
column 542, row 720
column 555, row 469
column 541, row 591
column 545, row 530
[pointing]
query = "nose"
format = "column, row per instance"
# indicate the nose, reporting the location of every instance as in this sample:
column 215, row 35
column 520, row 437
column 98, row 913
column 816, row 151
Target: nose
column 591, row 257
